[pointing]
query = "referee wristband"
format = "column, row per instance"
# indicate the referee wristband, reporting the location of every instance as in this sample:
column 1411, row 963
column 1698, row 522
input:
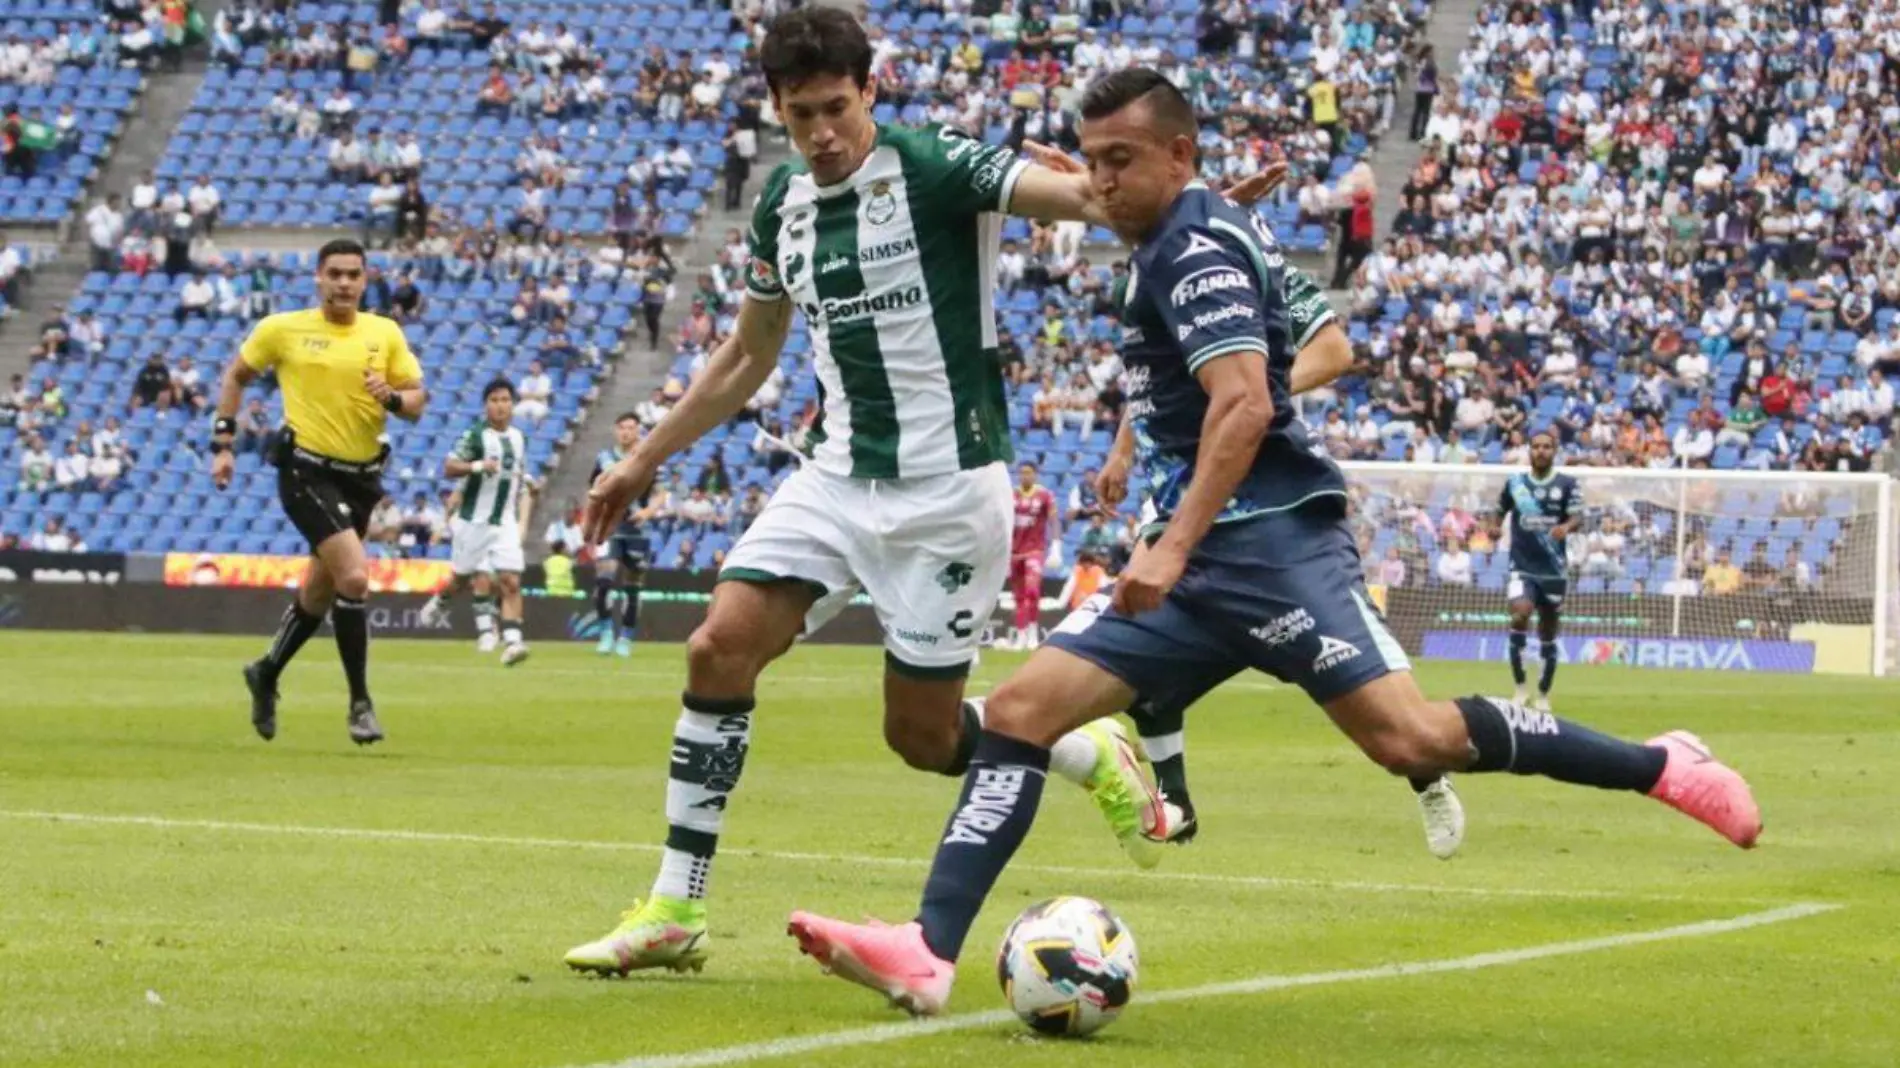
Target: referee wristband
column 393, row 402
column 224, row 427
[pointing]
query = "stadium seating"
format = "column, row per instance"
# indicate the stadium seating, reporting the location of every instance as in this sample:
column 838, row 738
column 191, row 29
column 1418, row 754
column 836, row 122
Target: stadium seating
column 101, row 96
column 274, row 180
column 1618, row 313
column 166, row 504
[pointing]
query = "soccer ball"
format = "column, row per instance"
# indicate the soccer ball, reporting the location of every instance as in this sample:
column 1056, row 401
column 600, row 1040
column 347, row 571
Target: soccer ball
column 1067, row 966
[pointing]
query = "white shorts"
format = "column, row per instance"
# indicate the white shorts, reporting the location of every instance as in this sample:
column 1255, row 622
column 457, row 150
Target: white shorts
column 932, row 554
column 479, row 548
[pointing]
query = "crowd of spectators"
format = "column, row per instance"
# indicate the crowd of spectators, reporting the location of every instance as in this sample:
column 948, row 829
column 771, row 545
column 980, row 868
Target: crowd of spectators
column 1667, row 233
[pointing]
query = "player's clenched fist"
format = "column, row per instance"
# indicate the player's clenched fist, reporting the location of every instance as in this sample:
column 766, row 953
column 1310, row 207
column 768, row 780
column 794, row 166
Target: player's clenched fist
column 1150, row 576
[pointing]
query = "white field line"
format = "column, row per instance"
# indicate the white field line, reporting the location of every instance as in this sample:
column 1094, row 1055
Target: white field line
column 1255, row 881
column 897, row 1032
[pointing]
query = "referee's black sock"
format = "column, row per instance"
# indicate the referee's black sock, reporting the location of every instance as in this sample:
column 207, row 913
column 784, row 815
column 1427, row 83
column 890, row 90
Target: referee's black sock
column 295, row 629
column 350, row 619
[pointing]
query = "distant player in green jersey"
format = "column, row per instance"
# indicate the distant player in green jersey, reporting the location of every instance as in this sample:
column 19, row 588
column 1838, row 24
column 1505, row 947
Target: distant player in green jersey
column 485, row 531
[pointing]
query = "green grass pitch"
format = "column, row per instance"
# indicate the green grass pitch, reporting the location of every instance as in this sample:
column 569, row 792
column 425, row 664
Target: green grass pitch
column 217, row 924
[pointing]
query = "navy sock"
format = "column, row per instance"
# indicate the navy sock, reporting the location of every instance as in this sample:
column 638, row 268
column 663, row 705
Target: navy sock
column 1519, row 639
column 1171, row 776
column 993, row 815
column 1549, row 651
column 1160, row 730
column 630, row 612
column 966, row 742
column 603, row 589
column 1509, row 737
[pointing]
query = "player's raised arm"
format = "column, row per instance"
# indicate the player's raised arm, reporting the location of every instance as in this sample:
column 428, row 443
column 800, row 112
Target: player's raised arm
column 1056, row 186
column 1322, row 350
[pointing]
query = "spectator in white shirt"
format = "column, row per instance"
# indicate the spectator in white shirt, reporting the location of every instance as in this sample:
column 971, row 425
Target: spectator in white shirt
column 348, row 163
column 536, row 390
column 1692, row 369
column 1693, row 440
column 195, row 298
column 1560, row 367
column 339, row 112
column 55, row 538
column 105, row 226
column 69, row 471
column 432, row 25
column 106, row 469
column 36, row 465
column 1454, row 565
column 204, row 202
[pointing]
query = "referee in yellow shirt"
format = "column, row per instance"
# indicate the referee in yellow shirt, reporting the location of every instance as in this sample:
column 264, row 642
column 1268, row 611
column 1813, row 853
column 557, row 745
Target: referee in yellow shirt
column 343, row 372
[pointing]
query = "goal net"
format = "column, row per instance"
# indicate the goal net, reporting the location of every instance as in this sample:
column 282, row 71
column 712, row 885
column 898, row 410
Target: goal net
column 1705, row 570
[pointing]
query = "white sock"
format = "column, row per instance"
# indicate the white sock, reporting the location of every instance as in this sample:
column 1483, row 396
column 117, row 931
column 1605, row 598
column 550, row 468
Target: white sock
column 1073, row 757
column 709, row 748
column 511, row 635
column 1164, row 746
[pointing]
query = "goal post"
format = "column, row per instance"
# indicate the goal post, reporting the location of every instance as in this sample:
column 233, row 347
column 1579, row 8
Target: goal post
column 1709, row 570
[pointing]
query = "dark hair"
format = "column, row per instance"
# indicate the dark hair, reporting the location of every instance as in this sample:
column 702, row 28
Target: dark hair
column 1171, row 113
column 814, row 42
column 342, row 246
column 624, row 416
column 502, row 384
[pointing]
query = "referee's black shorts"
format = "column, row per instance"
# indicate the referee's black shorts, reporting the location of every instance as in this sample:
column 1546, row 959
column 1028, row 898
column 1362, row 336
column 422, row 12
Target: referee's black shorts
column 323, row 501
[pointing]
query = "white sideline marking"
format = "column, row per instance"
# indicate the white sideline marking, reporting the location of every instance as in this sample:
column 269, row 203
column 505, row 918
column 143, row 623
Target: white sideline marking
column 897, row 1032
column 1258, row 881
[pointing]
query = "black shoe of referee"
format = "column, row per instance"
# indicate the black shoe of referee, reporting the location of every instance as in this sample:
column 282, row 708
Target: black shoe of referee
column 364, row 730
column 263, row 687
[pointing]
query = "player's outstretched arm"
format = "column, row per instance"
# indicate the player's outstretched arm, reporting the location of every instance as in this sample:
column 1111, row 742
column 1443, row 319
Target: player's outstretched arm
column 1111, row 486
column 734, row 372
column 1324, row 358
column 1056, row 186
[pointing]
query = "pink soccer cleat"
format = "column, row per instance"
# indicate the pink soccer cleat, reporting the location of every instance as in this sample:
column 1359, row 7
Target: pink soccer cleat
column 890, row 960
column 1696, row 784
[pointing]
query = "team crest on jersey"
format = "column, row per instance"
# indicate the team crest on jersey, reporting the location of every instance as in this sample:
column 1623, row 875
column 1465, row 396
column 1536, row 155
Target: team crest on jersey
column 954, row 577
column 882, row 207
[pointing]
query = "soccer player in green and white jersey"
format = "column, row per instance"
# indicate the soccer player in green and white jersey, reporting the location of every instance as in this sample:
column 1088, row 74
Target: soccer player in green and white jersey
column 485, row 531
column 886, row 238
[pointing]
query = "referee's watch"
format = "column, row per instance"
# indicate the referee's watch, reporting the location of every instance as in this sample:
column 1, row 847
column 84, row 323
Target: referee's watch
column 393, row 403
column 223, row 430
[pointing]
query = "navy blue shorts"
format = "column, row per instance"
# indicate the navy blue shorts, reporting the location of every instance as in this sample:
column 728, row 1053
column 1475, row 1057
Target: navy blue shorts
column 1543, row 593
column 631, row 549
column 1283, row 593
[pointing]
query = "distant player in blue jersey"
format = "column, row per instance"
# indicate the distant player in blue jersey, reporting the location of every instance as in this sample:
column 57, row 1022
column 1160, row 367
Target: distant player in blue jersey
column 620, row 565
column 1253, row 565
column 1545, row 508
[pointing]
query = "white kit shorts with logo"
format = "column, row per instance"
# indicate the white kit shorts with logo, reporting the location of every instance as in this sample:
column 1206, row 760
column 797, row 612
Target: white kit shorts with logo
column 931, row 552
column 481, row 548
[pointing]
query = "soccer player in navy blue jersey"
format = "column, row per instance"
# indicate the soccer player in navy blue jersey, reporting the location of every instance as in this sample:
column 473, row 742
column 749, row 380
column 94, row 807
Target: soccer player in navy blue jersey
column 1544, row 507
column 1250, row 564
column 620, row 564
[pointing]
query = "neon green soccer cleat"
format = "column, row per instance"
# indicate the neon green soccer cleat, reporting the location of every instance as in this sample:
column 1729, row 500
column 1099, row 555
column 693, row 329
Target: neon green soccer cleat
column 1123, row 787
column 661, row 932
